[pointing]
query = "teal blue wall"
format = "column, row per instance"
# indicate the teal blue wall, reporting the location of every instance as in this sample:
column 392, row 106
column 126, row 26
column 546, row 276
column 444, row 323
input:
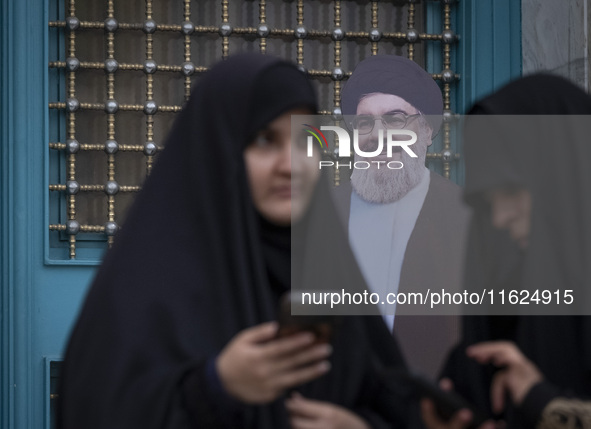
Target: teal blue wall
column 38, row 301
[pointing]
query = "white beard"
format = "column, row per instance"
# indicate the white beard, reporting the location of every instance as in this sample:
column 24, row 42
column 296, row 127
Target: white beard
column 384, row 185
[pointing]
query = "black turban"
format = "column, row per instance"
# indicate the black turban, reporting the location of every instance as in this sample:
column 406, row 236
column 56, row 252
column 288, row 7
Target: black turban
column 390, row 74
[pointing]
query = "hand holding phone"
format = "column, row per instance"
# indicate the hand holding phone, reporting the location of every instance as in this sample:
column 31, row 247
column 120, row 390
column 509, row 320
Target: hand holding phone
column 256, row 367
column 322, row 326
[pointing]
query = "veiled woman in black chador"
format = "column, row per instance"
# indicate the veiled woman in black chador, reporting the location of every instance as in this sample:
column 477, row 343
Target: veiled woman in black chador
column 172, row 330
column 529, row 183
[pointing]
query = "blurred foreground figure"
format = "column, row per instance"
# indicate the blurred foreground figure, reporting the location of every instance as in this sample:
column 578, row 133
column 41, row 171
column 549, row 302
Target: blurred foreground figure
column 178, row 329
column 529, row 182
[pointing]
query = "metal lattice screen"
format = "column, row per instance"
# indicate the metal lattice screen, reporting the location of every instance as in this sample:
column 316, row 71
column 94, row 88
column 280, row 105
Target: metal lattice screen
column 121, row 70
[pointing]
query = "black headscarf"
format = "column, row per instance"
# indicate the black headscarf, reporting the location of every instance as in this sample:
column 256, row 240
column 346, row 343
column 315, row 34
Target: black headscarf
column 547, row 155
column 194, row 265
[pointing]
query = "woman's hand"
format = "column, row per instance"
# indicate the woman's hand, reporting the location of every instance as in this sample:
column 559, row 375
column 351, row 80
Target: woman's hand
column 308, row 414
column 256, row 367
column 517, row 377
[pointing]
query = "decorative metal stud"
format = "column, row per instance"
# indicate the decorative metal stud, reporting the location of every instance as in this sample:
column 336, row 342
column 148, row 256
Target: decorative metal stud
column 412, row 35
column 111, row 188
column 337, row 73
column 334, row 154
column 300, row 32
column 72, row 23
column 149, row 26
column 302, row 68
column 72, row 187
column 150, row 66
column 150, row 107
column 72, row 104
column 263, row 30
column 448, row 36
column 150, row 149
column 111, row 106
column 111, row 25
column 187, row 28
column 447, row 155
column 225, row 29
column 338, row 34
column 72, row 227
column 375, row 35
column 188, row 68
column 72, row 146
column 111, row 147
column 111, row 228
column 448, row 116
column 337, row 114
column 111, row 65
column 72, row 64
column 448, row 76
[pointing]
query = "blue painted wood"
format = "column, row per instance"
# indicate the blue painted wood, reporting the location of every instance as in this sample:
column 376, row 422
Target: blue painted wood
column 6, row 309
column 489, row 52
column 38, row 301
column 16, row 286
column 4, row 340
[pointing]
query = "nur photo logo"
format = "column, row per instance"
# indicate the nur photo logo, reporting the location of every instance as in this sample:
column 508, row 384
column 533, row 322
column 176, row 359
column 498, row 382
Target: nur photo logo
column 387, row 143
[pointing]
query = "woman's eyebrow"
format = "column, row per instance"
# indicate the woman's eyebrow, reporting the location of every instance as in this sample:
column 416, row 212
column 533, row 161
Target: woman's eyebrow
column 272, row 129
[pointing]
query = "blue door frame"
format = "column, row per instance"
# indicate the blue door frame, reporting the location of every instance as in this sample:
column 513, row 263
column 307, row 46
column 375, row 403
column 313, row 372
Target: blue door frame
column 38, row 301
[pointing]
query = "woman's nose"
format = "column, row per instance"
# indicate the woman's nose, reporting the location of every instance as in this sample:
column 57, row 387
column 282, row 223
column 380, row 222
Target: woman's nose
column 285, row 163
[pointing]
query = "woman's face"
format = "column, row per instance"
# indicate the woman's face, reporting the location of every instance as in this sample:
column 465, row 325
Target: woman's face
column 281, row 177
column 511, row 211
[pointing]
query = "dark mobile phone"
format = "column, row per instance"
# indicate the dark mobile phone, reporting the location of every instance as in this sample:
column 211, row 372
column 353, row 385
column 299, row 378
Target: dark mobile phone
column 322, row 326
column 447, row 403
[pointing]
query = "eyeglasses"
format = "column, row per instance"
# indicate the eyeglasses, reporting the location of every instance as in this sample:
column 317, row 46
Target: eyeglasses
column 393, row 121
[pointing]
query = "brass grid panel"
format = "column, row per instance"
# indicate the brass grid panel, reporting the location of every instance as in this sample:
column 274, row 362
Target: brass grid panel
column 188, row 70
